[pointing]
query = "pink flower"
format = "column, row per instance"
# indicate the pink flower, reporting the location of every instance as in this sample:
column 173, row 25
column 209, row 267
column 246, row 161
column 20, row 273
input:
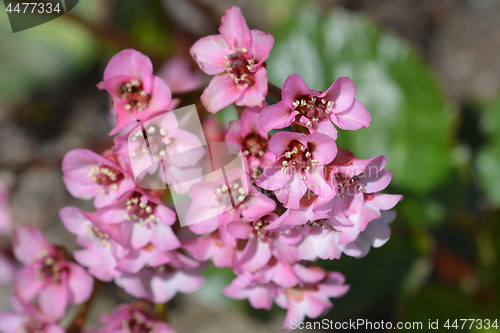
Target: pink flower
column 299, row 166
column 312, row 298
column 89, row 175
column 134, row 318
column 262, row 243
column 177, row 151
column 100, row 241
column 5, row 218
column 47, row 274
column 352, row 177
column 376, row 234
column 160, row 284
column 373, row 205
column 260, row 295
column 7, row 268
column 142, row 218
column 316, row 110
column 26, row 318
column 320, row 241
column 212, row 247
column 237, row 59
column 177, row 74
column 253, row 142
column 136, row 93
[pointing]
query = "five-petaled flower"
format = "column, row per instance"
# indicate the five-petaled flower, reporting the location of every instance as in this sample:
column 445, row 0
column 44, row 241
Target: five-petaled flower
column 237, row 59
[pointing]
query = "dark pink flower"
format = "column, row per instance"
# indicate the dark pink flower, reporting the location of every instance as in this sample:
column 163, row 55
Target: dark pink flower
column 100, row 241
column 89, row 175
column 253, row 142
column 136, row 93
column 47, row 274
column 143, row 218
column 316, row 110
column 299, row 166
column 236, row 57
column 312, row 298
column 133, row 318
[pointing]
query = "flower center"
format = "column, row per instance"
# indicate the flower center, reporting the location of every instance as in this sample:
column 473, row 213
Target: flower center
column 224, row 195
column 140, row 211
column 105, row 176
column 158, row 143
column 93, row 231
column 254, row 145
column 136, row 325
column 239, row 67
column 346, row 185
column 298, row 158
column 50, row 269
column 34, row 326
column 259, row 232
column 312, row 109
column 134, row 93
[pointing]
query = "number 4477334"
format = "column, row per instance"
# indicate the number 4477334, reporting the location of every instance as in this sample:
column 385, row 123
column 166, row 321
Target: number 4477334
column 42, row 7
column 470, row 323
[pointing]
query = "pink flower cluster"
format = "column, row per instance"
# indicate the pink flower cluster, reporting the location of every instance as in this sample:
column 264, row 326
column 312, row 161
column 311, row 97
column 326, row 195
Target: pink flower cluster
column 297, row 199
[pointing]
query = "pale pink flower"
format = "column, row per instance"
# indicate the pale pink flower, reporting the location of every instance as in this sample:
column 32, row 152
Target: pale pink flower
column 7, row 268
column 253, row 142
column 160, row 284
column 89, row 175
column 262, row 244
column 179, row 76
column 136, row 93
column 100, row 242
column 311, row 299
column 316, row 110
column 56, row 281
column 259, row 294
column 237, row 59
column 212, row 247
column 142, row 218
column 299, row 166
column 26, row 318
column 133, row 318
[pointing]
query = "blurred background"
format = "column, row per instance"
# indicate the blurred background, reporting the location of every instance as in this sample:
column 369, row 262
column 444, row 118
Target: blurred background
column 428, row 71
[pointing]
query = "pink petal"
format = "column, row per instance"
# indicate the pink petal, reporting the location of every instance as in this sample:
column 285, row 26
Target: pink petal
column 250, row 122
column 341, row 92
column 316, row 305
column 164, row 238
column 221, row 92
column 129, row 62
column 386, row 201
column 80, row 284
column 234, row 29
column 280, row 141
column 260, row 298
column 255, row 255
column 262, row 43
column 239, row 229
column 11, row 322
column 209, row 52
column 27, row 284
column 295, row 87
column 53, row 300
column 160, row 101
column 325, row 127
column 294, row 191
column 273, row 177
column 274, row 116
column 29, row 243
column 254, row 96
column 353, row 118
column 309, row 275
column 325, row 148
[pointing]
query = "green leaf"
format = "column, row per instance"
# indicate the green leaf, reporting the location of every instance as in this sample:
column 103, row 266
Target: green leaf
column 411, row 123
